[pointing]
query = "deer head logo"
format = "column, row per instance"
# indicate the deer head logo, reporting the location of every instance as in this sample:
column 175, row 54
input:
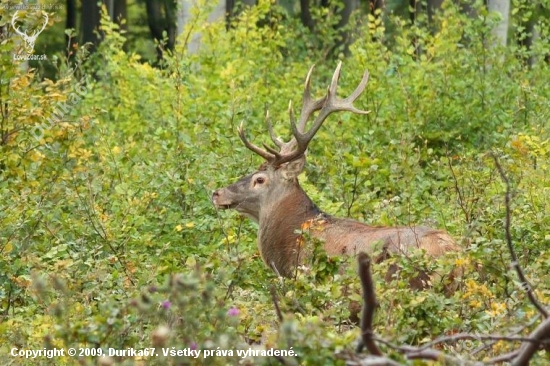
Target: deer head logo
column 29, row 39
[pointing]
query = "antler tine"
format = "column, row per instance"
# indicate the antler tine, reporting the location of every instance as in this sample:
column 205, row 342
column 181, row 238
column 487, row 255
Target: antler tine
column 264, row 154
column 356, row 93
column 331, row 92
column 277, row 141
column 295, row 130
column 328, row 104
column 335, row 104
column 273, row 151
column 309, row 105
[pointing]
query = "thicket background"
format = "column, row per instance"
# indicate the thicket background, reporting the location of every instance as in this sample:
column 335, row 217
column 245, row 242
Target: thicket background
column 108, row 237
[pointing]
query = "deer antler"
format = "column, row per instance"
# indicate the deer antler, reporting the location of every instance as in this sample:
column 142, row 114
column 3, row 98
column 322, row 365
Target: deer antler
column 328, row 104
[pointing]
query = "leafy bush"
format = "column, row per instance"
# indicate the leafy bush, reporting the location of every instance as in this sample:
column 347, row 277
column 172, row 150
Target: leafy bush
column 109, row 239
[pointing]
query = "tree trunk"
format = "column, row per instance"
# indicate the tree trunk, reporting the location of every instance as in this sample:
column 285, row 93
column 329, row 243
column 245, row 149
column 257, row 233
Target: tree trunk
column 344, row 32
column 424, row 8
column 375, row 5
column 184, row 15
column 170, row 22
column 416, row 6
column 90, row 23
column 161, row 17
column 433, row 6
column 229, row 12
column 501, row 30
column 70, row 23
column 530, row 34
column 119, row 13
column 305, row 15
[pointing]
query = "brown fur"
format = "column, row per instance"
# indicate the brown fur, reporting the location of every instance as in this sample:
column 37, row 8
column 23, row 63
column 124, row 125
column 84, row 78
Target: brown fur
column 278, row 235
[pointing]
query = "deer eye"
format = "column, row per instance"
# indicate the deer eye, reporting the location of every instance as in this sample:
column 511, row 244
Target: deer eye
column 260, row 180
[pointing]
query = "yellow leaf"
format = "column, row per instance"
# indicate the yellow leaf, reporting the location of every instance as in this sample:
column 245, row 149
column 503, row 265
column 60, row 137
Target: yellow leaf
column 13, row 157
column 179, row 228
column 8, row 248
column 191, row 262
column 190, row 224
column 36, row 156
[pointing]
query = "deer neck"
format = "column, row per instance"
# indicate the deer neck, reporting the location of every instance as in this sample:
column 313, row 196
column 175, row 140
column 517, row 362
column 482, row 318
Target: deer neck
column 279, row 243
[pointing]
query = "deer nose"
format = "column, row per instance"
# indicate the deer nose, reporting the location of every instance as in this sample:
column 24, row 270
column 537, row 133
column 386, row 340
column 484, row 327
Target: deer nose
column 215, row 195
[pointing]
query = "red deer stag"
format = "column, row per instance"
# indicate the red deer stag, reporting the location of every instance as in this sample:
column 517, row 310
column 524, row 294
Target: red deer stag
column 273, row 198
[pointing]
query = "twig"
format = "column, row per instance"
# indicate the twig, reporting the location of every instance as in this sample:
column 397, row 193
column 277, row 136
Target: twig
column 428, row 354
column 476, row 337
column 369, row 304
column 461, row 201
column 276, row 303
column 285, row 361
column 515, row 263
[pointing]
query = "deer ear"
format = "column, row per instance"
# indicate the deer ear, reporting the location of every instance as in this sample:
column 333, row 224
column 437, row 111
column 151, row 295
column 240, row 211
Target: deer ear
column 293, row 168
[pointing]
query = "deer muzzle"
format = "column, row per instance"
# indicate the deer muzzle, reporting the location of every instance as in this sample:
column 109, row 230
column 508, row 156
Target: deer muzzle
column 220, row 200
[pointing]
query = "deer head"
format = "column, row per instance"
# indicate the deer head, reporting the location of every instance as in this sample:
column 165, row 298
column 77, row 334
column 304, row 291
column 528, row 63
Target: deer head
column 260, row 191
column 29, row 40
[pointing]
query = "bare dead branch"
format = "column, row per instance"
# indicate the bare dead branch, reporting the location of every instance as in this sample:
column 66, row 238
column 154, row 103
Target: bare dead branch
column 461, row 200
column 428, row 354
column 374, row 361
column 515, row 263
column 528, row 349
column 503, row 358
column 369, row 304
column 518, row 330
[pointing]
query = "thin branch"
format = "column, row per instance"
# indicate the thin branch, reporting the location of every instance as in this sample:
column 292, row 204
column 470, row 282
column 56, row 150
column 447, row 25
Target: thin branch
column 475, row 337
column 374, row 361
column 503, row 358
column 427, row 354
column 461, row 200
column 515, row 263
column 369, row 304
column 285, row 361
column 518, row 330
column 276, row 303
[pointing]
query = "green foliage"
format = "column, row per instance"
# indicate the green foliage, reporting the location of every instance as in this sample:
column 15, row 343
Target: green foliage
column 108, row 237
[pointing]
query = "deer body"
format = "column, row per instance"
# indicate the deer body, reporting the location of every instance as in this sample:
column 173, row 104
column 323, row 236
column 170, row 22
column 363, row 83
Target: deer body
column 273, row 198
column 286, row 212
